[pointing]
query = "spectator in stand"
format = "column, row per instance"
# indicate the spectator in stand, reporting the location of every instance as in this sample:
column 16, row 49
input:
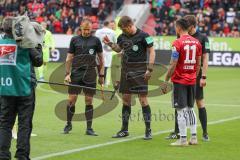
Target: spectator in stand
column 171, row 28
column 71, row 22
column 58, row 13
column 8, row 7
column 95, row 6
column 230, row 16
column 64, row 12
column 157, row 14
column 200, row 16
column 102, row 14
column 57, row 25
column 212, row 15
column 15, row 7
column 39, row 18
column 235, row 32
column 35, row 6
column 65, row 24
column 69, row 31
column 81, row 8
column 226, row 30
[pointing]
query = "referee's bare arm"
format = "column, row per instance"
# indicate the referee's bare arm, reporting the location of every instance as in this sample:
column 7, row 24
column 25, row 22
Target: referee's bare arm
column 151, row 57
column 101, row 63
column 204, row 69
column 171, row 69
column 68, row 65
column 151, row 52
column 205, row 64
column 198, row 64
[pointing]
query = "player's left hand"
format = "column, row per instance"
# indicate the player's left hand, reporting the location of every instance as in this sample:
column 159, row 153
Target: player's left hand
column 147, row 75
column 116, row 85
column 203, row 82
column 101, row 80
column 163, row 87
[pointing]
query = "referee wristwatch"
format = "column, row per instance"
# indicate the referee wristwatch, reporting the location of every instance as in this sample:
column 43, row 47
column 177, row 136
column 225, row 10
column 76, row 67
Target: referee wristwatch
column 204, row 77
column 110, row 44
column 150, row 69
column 101, row 75
column 67, row 73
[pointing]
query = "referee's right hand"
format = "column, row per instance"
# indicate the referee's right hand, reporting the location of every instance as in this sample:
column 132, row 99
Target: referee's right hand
column 67, row 79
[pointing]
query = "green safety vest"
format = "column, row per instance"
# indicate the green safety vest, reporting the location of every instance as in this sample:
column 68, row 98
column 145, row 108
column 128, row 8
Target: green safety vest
column 15, row 69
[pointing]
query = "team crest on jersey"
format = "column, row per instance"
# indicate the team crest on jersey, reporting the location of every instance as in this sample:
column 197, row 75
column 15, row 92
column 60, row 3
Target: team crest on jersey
column 91, row 51
column 8, row 54
column 135, row 48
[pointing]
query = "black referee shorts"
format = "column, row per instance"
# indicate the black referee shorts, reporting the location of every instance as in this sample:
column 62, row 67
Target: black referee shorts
column 132, row 82
column 86, row 78
column 183, row 95
column 199, row 90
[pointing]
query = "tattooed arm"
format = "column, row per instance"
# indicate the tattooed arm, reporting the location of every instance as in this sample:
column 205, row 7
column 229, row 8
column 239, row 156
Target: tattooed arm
column 173, row 64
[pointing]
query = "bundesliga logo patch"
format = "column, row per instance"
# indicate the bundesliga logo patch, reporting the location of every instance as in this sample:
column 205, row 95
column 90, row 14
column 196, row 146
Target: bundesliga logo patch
column 8, row 54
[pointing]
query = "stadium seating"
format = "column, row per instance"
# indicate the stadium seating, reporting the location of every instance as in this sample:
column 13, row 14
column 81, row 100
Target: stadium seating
column 62, row 16
column 215, row 17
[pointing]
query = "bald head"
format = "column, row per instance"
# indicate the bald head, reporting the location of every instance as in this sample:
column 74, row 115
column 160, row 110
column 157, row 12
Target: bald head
column 44, row 25
column 7, row 25
column 86, row 22
column 86, row 27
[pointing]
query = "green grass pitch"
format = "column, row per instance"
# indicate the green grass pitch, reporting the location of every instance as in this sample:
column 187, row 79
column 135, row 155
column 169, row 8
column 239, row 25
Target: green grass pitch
column 223, row 107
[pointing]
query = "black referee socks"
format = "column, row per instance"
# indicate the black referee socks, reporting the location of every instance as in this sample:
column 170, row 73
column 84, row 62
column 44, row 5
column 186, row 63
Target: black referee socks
column 126, row 112
column 70, row 112
column 146, row 110
column 89, row 115
column 203, row 119
column 176, row 130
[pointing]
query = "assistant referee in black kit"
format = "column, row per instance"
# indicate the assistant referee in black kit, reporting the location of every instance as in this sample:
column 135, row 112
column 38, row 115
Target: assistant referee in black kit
column 202, row 76
column 81, row 70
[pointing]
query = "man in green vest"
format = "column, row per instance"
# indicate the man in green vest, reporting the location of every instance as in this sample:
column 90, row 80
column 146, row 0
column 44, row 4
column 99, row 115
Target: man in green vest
column 48, row 44
column 17, row 91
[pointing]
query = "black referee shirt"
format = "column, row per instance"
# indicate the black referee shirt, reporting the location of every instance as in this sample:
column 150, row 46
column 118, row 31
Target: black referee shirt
column 84, row 50
column 204, row 42
column 135, row 47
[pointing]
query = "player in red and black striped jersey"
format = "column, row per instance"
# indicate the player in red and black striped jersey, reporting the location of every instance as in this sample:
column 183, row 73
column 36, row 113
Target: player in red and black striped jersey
column 183, row 71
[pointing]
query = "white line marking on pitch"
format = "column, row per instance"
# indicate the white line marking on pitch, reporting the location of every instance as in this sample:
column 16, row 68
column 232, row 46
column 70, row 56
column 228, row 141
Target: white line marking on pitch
column 119, row 141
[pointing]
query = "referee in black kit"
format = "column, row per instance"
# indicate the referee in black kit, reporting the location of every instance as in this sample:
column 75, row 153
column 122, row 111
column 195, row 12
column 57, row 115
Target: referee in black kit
column 81, row 70
column 202, row 76
column 135, row 72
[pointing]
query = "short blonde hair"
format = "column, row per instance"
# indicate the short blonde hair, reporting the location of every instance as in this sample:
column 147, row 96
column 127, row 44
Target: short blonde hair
column 7, row 24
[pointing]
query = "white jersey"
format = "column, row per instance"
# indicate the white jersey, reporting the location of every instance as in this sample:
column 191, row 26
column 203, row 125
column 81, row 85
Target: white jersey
column 107, row 51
